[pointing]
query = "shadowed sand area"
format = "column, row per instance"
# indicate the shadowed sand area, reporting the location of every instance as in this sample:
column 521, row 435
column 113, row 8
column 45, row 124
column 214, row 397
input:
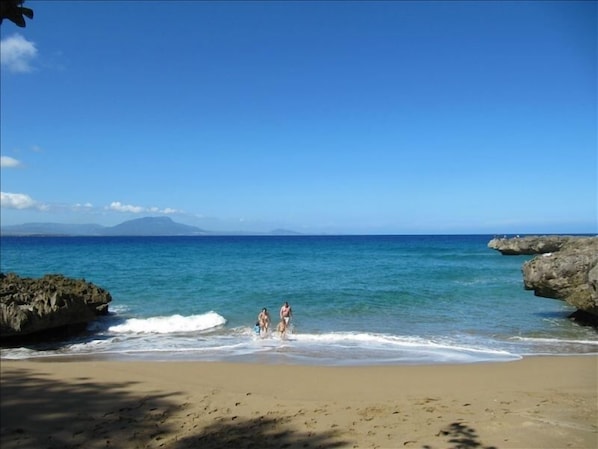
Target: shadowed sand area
column 539, row 402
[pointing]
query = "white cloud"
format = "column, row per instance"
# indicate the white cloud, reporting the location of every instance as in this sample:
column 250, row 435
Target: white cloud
column 23, row 201
column 79, row 206
column 117, row 206
column 9, row 162
column 19, row 201
column 17, row 54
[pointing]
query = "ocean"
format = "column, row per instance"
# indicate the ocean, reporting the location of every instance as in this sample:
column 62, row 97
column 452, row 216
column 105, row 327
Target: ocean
column 356, row 300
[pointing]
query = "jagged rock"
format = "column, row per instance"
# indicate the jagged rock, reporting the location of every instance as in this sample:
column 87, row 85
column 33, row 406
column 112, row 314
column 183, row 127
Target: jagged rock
column 30, row 306
column 566, row 268
column 529, row 245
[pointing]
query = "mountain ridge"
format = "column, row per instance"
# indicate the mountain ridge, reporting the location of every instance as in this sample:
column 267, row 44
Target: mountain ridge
column 144, row 226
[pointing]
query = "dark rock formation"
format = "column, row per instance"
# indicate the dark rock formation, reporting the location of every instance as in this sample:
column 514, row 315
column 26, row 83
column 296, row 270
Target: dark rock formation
column 566, row 268
column 53, row 302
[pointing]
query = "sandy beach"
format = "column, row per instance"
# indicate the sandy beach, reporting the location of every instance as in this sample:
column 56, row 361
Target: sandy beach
column 539, row 402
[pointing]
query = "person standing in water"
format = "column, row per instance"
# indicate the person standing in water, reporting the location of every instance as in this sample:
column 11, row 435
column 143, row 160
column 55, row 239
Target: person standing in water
column 264, row 319
column 282, row 330
column 286, row 313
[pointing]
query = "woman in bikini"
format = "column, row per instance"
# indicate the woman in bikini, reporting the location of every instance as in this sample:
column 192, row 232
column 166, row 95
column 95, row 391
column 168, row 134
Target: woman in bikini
column 264, row 319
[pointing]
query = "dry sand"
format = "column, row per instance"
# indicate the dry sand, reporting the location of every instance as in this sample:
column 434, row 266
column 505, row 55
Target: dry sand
column 540, row 402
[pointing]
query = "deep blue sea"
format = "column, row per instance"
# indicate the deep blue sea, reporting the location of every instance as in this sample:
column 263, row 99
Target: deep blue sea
column 355, row 299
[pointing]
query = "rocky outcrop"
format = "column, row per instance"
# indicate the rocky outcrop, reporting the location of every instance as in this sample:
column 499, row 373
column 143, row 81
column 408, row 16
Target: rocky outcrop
column 32, row 306
column 565, row 268
column 529, row 245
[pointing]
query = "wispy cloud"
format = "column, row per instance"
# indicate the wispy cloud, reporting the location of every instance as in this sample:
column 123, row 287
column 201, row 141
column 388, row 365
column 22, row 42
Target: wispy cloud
column 117, row 206
column 24, row 201
column 17, row 54
column 84, row 206
column 19, row 201
column 9, row 162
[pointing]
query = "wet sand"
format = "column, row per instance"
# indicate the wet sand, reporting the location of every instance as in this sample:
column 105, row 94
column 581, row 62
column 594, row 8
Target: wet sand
column 538, row 402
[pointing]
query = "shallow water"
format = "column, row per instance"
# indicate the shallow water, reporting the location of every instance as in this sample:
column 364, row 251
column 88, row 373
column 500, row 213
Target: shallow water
column 356, row 299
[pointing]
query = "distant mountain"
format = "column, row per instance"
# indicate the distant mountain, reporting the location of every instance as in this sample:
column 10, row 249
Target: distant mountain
column 148, row 226
column 53, row 229
column 283, row 232
column 153, row 226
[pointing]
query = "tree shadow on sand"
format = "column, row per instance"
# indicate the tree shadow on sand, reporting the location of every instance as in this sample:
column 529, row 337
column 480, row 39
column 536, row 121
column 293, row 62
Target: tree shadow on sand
column 260, row 433
column 38, row 412
column 461, row 436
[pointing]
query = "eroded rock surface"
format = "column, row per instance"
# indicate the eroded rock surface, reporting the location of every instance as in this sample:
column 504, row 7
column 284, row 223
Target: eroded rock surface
column 566, row 267
column 529, row 245
column 29, row 306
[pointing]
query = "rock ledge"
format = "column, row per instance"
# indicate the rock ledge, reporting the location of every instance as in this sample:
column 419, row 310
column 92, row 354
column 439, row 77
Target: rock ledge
column 566, row 268
column 530, row 245
column 34, row 306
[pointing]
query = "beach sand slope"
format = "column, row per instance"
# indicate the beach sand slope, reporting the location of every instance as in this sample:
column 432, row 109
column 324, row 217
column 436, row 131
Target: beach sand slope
column 540, row 402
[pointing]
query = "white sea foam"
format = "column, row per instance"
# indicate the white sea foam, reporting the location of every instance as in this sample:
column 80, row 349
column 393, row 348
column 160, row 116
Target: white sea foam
column 204, row 337
column 556, row 341
column 17, row 353
column 390, row 342
column 170, row 324
column 118, row 308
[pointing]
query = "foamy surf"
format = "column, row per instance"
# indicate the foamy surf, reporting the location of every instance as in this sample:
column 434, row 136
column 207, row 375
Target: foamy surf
column 170, row 324
column 555, row 340
column 206, row 337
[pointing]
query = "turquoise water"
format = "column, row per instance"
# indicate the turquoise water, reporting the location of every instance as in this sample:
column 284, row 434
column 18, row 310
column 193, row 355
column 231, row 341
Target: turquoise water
column 356, row 299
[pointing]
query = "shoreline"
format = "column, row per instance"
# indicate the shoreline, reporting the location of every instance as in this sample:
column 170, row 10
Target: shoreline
column 273, row 360
column 536, row 402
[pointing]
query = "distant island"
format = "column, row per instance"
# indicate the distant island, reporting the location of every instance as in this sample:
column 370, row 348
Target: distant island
column 146, row 226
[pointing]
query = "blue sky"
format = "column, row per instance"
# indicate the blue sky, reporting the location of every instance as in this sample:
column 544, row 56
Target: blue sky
column 320, row 117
